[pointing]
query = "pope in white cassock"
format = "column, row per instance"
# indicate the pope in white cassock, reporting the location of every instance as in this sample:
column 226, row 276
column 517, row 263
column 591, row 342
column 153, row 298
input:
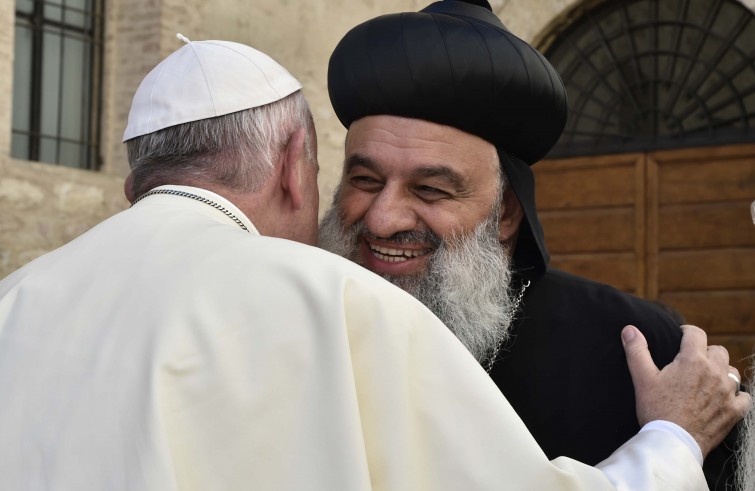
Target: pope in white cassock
column 194, row 342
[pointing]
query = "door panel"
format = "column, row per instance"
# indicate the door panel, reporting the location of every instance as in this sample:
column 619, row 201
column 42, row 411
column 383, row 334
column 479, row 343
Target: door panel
column 611, row 229
column 618, row 270
column 586, row 182
column 697, row 225
column 719, row 312
column 672, row 226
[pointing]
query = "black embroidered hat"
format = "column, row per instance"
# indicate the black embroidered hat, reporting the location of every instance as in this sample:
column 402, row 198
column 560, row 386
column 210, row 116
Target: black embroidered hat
column 455, row 63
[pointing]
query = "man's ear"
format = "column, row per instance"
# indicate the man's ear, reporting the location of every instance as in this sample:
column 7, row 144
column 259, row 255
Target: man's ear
column 128, row 187
column 291, row 181
column 511, row 216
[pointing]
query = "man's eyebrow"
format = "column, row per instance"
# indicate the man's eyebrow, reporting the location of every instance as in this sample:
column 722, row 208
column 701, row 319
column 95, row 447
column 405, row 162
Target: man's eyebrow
column 359, row 160
column 453, row 178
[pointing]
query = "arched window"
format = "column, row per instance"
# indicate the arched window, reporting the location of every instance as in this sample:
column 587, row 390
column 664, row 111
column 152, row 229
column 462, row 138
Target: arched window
column 650, row 74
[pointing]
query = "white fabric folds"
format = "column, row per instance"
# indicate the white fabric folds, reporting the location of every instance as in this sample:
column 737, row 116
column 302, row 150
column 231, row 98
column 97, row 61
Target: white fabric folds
column 167, row 349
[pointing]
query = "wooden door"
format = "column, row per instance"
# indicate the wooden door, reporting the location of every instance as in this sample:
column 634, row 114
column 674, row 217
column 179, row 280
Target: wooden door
column 671, row 226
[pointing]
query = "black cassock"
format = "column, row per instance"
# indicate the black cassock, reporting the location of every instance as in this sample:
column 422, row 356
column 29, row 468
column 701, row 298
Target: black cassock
column 565, row 373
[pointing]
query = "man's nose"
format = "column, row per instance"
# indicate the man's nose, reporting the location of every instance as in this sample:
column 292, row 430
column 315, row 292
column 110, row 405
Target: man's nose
column 390, row 212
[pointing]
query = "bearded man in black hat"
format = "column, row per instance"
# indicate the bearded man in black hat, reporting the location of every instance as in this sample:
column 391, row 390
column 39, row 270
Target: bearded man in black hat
column 446, row 112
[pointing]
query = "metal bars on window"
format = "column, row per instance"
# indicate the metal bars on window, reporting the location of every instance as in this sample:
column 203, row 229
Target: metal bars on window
column 649, row 74
column 56, row 90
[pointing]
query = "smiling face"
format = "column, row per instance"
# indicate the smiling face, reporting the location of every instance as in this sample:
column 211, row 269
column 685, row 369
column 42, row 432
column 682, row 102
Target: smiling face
column 419, row 204
column 411, row 184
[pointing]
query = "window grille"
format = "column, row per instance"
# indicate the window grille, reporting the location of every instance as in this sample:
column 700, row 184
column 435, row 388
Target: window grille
column 649, row 74
column 56, row 82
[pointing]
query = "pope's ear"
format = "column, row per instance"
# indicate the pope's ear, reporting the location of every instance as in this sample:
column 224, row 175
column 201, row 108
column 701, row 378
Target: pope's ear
column 128, row 187
column 511, row 215
column 291, row 179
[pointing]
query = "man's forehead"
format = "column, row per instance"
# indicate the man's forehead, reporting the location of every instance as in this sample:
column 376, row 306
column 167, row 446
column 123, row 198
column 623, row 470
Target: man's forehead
column 394, row 122
column 417, row 142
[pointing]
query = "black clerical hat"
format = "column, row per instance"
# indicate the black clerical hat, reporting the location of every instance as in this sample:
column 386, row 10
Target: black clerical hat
column 454, row 63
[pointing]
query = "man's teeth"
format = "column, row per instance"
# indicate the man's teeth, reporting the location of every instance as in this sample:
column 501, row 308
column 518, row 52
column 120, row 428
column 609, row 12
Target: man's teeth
column 392, row 255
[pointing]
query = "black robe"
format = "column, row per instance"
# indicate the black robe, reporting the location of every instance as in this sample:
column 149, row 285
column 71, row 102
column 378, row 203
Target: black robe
column 565, row 373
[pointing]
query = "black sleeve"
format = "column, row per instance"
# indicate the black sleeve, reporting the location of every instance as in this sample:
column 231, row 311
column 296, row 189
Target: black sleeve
column 720, row 465
column 565, row 373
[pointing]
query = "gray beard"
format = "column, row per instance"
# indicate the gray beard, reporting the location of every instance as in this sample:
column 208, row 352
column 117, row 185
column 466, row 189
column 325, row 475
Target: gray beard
column 746, row 453
column 466, row 283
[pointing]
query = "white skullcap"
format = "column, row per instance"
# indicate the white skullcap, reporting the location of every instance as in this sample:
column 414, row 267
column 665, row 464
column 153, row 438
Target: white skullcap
column 205, row 79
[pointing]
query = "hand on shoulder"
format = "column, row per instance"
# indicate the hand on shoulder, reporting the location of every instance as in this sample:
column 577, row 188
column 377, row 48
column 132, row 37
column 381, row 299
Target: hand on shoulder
column 694, row 391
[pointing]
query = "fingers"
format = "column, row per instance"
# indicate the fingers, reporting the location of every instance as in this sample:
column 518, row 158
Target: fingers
column 641, row 365
column 695, row 391
column 694, row 342
column 733, row 374
column 742, row 403
column 719, row 355
column 694, row 339
column 742, row 398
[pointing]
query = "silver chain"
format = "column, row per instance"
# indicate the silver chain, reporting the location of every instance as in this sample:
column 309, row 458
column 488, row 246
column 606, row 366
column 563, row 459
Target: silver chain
column 514, row 309
column 184, row 194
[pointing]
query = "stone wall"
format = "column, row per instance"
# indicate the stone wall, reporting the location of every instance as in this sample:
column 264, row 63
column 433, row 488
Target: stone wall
column 44, row 206
column 6, row 78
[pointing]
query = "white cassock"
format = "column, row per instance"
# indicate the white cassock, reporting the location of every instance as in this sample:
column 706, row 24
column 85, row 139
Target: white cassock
column 168, row 349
